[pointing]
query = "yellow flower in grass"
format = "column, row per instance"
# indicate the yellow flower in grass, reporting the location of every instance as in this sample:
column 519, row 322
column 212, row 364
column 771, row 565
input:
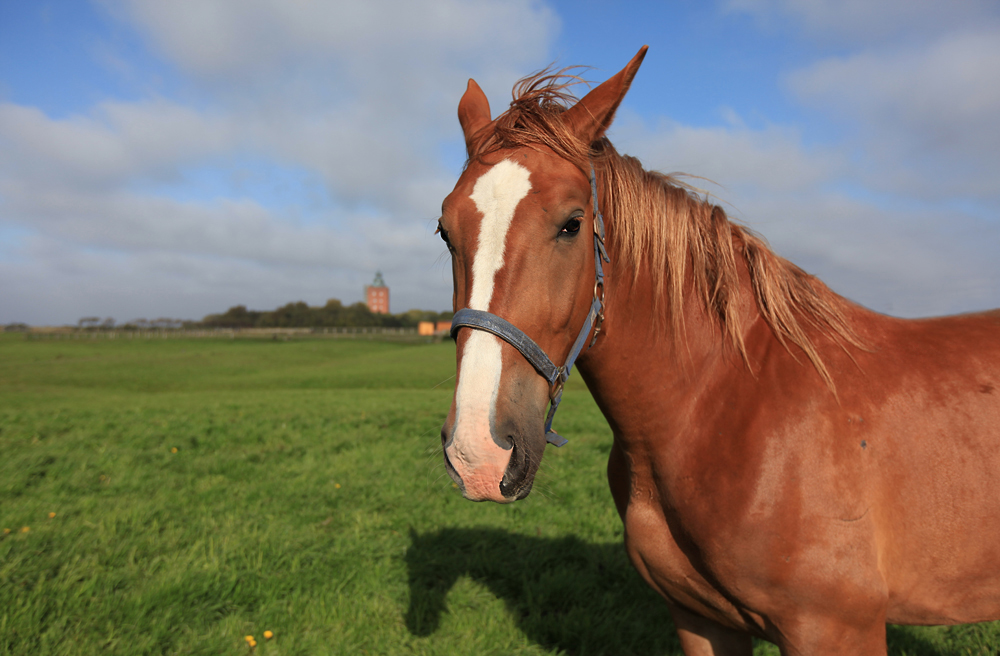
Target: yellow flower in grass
column 252, row 643
column 52, row 515
column 173, row 450
column 25, row 529
column 268, row 635
column 248, row 638
column 6, row 531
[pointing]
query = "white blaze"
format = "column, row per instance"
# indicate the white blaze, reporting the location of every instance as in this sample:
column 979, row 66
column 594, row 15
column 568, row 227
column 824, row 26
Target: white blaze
column 496, row 196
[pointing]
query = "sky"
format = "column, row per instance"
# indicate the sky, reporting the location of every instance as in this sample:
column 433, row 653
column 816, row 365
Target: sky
column 174, row 159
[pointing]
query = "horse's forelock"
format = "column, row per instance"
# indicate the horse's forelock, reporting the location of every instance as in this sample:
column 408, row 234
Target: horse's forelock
column 534, row 119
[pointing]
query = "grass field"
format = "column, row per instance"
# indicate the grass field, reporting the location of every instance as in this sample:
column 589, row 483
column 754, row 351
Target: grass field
column 206, row 490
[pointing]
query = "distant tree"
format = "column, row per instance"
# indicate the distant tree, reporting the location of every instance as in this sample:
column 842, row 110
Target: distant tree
column 89, row 322
column 292, row 315
column 235, row 317
column 108, row 323
column 358, row 314
column 301, row 315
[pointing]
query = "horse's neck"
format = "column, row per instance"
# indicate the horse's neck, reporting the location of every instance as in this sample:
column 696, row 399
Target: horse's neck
column 640, row 363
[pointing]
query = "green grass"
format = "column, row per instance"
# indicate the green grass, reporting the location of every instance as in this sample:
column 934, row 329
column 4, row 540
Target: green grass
column 306, row 496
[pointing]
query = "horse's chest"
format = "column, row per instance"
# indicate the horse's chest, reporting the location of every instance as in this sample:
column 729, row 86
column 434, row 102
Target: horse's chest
column 665, row 561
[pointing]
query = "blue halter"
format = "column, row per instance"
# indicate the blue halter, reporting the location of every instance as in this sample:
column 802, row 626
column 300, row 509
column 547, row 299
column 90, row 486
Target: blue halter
column 556, row 376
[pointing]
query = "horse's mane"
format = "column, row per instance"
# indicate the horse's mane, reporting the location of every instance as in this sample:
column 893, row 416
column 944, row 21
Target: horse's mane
column 664, row 226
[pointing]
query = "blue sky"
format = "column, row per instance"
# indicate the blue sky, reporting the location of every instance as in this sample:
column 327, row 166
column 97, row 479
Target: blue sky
column 175, row 159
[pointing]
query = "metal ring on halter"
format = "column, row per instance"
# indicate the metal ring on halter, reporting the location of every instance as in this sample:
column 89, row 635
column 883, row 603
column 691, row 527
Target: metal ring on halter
column 599, row 307
column 556, row 389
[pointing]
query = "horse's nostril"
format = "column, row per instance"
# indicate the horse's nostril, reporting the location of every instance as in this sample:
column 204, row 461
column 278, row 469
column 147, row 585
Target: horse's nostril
column 508, row 483
column 505, row 442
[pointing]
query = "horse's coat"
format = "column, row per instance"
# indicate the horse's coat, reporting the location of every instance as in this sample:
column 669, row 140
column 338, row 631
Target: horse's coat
column 786, row 464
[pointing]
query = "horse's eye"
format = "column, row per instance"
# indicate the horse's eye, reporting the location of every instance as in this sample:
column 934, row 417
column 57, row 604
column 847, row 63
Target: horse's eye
column 444, row 235
column 571, row 228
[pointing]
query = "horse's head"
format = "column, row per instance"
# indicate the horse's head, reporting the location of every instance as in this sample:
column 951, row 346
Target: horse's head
column 520, row 226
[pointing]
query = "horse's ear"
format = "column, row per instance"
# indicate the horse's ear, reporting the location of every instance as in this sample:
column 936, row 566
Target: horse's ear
column 589, row 118
column 473, row 113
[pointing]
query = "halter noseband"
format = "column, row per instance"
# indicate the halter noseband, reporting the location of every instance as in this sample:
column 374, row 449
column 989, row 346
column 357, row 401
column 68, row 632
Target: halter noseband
column 556, row 376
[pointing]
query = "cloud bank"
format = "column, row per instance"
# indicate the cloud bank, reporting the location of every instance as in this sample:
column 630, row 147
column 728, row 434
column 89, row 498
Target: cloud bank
column 351, row 104
column 285, row 151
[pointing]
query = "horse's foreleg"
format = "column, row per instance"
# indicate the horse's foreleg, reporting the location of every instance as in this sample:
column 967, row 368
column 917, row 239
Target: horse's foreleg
column 703, row 637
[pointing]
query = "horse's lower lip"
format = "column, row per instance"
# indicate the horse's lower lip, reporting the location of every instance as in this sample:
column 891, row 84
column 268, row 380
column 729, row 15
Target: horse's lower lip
column 504, row 485
column 515, row 495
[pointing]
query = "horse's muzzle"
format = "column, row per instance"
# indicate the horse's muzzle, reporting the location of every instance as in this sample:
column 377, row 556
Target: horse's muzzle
column 486, row 471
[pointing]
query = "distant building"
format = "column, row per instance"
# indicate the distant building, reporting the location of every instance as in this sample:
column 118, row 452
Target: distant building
column 432, row 328
column 377, row 295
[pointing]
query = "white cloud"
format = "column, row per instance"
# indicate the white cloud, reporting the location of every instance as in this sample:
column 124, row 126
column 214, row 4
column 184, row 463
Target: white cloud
column 359, row 96
column 234, row 38
column 116, row 143
column 126, row 283
column 771, row 159
column 926, row 115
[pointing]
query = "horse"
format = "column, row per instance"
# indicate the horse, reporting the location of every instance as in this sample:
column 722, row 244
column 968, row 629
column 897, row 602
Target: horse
column 788, row 465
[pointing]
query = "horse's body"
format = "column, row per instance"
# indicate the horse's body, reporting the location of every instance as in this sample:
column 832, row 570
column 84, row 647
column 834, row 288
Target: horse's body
column 766, row 503
column 787, row 464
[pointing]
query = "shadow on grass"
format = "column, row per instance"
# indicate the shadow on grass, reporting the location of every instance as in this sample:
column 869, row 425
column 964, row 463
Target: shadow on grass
column 566, row 594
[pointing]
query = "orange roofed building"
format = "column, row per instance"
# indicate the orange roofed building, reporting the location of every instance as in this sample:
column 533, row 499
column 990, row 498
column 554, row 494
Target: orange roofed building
column 432, row 328
column 377, row 295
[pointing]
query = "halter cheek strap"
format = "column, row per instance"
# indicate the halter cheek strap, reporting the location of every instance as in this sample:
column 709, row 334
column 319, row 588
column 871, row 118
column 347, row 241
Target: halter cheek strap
column 556, row 376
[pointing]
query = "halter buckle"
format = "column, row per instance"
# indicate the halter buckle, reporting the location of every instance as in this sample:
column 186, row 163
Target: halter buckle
column 557, row 387
column 599, row 302
column 600, row 243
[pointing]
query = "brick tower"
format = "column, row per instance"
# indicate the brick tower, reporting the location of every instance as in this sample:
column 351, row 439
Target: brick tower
column 377, row 295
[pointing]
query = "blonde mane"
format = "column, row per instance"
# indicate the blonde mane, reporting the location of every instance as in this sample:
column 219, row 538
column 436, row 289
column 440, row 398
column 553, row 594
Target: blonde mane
column 663, row 226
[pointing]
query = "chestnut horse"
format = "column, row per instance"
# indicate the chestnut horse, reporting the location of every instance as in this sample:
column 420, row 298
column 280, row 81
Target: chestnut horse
column 788, row 465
